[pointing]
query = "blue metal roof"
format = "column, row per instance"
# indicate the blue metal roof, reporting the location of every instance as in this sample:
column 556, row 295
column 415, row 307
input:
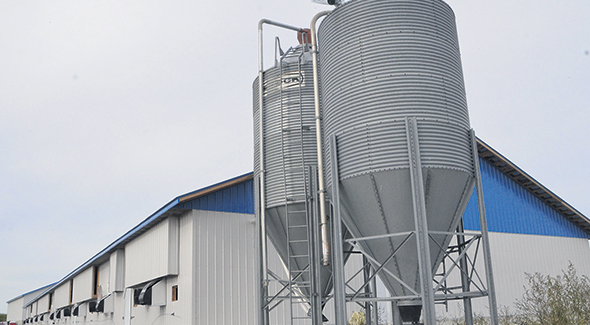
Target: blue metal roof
column 511, row 208
column 530, row 184
column 238, row 198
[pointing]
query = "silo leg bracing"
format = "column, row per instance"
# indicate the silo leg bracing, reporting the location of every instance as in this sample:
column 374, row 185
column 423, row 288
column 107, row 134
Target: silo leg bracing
column 394, row 107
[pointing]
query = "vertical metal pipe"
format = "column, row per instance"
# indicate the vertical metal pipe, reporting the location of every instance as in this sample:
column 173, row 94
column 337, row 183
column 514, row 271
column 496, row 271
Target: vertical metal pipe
column 369, row 311
column 375, row 304
column 420, row 220
column 484, row 234
column 261, row 209
column 337, row 253
column 464, row 275
column 316, row 294
column 128, row 306
column 318, row 126
column 262, row 276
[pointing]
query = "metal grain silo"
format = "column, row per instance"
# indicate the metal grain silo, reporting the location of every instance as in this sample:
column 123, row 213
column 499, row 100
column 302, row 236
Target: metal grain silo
column 285, row 150
column 393, row 99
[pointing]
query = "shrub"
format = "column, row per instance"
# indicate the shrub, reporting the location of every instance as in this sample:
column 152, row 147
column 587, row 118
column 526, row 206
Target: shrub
column 564, row 299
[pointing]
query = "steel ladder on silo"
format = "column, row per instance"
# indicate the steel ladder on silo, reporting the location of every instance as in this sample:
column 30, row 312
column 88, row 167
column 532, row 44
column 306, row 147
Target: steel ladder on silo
column 296, row 218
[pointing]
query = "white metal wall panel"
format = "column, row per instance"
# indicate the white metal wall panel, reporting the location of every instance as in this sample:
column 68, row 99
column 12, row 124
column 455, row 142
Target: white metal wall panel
column 178, row 312
column 225, row 268
column 352, row 266
column 103, row 318
column 117, row 271
column 61, row 296
column 149, row 256
column 43, row 304
column 15, row 310
column 513, row 255
column 83, row 285
column 173, row 233
column 35, row 308
column 104, row 277
column 184, row 306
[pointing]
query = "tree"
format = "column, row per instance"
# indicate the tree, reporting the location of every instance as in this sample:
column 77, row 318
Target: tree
column 564, row 299
column 2, row 317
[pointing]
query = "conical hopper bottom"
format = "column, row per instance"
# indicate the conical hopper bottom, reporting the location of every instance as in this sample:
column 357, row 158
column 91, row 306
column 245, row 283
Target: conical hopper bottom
column 381, row 203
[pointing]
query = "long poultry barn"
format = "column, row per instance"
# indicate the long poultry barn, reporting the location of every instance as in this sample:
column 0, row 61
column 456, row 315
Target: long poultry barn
column 196, row 256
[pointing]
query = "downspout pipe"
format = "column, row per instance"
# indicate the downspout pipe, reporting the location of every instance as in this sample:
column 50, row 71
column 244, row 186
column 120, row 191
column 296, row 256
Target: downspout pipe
column 318, row 128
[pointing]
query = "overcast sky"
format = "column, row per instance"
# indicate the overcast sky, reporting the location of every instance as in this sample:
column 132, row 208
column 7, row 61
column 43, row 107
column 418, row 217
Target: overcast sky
column 111, row 108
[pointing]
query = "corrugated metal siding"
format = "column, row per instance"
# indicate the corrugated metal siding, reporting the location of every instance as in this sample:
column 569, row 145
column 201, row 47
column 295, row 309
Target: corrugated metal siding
column 184, row 307
column 61, row 296
column 513, row 255
column 117, row 270
column 225, row 269
column 104, row 277
column 238, row 199
column 146, row 258
column 15, row 310
column 354, row 263
column 511, row 208
column 35, row 308
column 43, row 304
column 83, row 285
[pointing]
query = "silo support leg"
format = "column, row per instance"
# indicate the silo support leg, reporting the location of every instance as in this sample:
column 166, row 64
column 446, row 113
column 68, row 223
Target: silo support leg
column 368, row 305
column 484, row 234
column 262, row 274
column 465, row 280
column 337, row 250
column 420, row 220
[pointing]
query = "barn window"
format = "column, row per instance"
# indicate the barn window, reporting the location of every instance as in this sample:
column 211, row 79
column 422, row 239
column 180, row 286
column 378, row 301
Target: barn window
column 175, row 293
column 71, row 290
column 95, row 282
column 50, row 301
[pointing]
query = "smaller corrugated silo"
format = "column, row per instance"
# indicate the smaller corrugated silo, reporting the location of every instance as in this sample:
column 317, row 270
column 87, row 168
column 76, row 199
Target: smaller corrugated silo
column 285, row 144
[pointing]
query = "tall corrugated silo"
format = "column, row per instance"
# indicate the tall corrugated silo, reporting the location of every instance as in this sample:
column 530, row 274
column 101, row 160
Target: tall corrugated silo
column 285, row 163
column 394, row 101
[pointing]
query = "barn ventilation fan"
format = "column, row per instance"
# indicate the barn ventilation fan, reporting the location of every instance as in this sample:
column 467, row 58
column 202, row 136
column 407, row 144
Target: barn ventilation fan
column 92, row 306
column 79, row 310
column 100, row 306
column 153, row 293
